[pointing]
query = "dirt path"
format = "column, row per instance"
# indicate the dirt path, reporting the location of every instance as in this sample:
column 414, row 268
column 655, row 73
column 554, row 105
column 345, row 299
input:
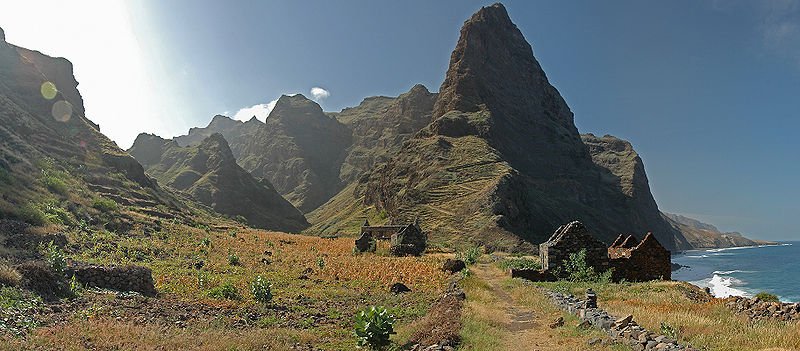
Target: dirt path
column 523, row 316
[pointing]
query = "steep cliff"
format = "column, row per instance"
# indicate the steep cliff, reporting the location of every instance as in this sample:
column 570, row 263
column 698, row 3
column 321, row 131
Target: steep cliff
column 209, row 173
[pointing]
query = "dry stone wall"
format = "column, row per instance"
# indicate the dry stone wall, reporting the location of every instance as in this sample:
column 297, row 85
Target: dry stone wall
column 119, row 278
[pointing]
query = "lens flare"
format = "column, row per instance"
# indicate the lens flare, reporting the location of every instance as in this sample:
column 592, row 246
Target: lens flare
column 49, row 90
column 62, row 111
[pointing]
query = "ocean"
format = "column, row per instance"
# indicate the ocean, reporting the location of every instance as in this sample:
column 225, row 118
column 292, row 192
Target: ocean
column 744, row 271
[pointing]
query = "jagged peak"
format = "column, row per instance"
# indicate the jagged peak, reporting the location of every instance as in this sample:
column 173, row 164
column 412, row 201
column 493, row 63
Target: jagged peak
column 2, row 34
column 252, row 120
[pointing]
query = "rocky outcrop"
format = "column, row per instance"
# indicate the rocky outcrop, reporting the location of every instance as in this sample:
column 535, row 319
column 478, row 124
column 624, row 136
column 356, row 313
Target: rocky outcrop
column 210, row 174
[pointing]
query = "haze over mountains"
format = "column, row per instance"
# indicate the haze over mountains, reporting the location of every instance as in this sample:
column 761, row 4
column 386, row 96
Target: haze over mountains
column 494, row 158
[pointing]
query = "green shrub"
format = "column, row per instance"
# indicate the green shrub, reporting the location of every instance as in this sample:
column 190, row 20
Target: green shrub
column 470, row 256
column 233, row 259
column 765, row 296
column 32, row 215
column 105, row 205
column 225, row 291
column 55, row 258
column 576, row 269
column 75, row 288
column 17, row 311
column 261, row 290
column 320, row 263
column 9, row 276
column 55, row 214
column 373, row 328
column 55, row 184
column 520, row 263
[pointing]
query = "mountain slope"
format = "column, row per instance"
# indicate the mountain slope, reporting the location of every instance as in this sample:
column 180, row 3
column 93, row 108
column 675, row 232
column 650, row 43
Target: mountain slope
column 209, row 173
column 55, row 163
column 299, row 149
column 502, row 162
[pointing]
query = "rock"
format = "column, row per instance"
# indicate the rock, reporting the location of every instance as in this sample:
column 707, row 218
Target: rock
column 593, row 341
column 452, row 265
column 559, row 322
column 399, row 288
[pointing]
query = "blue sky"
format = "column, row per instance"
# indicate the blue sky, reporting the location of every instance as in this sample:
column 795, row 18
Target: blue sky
column 707, row 91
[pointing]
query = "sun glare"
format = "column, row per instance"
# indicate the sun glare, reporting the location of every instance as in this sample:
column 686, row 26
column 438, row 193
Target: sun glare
column 100, row 41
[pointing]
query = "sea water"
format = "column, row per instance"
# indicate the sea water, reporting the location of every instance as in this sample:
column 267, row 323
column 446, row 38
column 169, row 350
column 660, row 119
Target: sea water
column 744, row 271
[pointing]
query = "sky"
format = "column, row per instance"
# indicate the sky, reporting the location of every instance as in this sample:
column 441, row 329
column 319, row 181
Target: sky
column 707, row 91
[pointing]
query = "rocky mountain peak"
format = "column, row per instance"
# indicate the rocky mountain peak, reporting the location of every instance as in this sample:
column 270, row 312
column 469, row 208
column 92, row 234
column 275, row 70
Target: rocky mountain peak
column 2, row 34
column 222, row 122
column 495, row 89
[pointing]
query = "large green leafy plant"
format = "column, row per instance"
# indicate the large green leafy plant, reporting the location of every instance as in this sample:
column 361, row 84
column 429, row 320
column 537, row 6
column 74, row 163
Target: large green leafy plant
column 374, row 326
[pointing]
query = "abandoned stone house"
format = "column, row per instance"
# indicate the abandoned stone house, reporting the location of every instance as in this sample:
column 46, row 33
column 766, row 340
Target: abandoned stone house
column 637, row 261
column 405, row 239
column 629, row 258
column 572, row 238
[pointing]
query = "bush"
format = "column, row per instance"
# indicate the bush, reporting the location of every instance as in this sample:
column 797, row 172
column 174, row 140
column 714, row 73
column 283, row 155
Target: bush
column 320, row 263
column 55, row 184
column 55, row 214
column 520, row 263
column 225, row 291
column 32, row 215
column 233, row 259
column 373, row 328
column 765, row 296
column 470, row 256
column 105, row 205
column 576, row 269
column 55, row 258
column 261, row 290
column 9, row 276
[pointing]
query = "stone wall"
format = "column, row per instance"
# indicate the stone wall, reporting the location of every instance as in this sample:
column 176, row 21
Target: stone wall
column 756, row 309
column 120, row 278
column 572, row 238
column 621, row 330
column 640, row 261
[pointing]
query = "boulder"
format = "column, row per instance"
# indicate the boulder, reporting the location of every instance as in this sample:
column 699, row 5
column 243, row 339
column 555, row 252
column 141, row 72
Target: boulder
column 399, row 288
column 453, row 266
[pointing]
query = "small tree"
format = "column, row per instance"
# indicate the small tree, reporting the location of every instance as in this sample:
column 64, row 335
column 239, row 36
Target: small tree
column 576, row 269
column 55, row 258
column 374, row 326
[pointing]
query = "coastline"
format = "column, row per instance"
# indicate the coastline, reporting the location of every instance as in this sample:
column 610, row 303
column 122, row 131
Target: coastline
column 727, row 272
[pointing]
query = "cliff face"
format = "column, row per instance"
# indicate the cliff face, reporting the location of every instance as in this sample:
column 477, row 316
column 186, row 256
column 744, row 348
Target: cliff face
column 209, row 173
column 502, row 162
column 703, row 235
column 380, row 126
column 50, row 152
column 299, row 149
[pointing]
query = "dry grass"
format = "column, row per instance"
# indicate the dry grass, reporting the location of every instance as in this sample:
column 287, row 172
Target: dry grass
column 9, row 276
column 488, row 322
column 105, row 334
column 709, row 325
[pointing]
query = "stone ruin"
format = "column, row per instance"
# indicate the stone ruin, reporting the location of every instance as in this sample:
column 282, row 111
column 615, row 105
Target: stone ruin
column 637, row 261
column 119, row 278
column 630, row 259
column 406, row 240
column 572, row 238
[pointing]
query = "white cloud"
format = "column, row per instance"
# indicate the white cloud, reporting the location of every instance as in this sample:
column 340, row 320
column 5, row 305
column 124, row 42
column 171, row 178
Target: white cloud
column 261, row 111
column 318, row 94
